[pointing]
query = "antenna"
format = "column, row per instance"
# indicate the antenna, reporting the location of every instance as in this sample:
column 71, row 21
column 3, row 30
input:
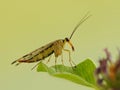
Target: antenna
column 80, row 22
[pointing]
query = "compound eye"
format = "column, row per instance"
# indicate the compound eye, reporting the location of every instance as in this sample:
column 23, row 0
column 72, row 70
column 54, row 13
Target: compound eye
column 67, row 39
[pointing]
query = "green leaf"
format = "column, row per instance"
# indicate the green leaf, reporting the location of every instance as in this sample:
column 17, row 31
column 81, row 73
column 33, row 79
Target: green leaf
column 82, row 74
column 42, row 67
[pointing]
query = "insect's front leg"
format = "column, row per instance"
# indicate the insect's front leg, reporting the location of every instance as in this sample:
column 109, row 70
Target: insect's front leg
column 69, row 57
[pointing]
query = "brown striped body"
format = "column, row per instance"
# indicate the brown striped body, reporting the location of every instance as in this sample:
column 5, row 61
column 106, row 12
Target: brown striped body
column 43, row 52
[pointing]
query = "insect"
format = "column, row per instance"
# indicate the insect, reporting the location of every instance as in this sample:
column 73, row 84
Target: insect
column 55, row 47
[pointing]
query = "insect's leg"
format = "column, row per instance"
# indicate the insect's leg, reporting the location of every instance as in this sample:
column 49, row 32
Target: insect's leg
column 55, row 63
column 69, row 57
column 17, row 64
column 62, row 59
column 49, row 59
column 35, row 65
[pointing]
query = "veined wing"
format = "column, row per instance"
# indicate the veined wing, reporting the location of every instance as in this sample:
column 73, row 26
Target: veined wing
column 37, row 51
column 34, row 53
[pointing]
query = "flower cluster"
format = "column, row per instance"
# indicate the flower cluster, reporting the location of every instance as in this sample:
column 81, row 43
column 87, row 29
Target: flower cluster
column 108, row 73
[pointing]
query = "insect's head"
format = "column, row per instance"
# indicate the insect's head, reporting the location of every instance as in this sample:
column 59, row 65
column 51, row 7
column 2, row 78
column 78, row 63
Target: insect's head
column 68, row 41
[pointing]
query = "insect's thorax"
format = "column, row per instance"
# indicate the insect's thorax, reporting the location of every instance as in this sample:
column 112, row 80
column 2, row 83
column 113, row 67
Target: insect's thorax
column 58, row 45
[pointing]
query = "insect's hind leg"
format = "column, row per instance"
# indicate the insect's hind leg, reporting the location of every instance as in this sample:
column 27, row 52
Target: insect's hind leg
column 17, row 64
column 71, row 62
column 36, row 65
column 49, row 59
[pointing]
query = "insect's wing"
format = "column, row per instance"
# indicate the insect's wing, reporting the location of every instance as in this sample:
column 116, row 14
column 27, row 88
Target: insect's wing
column 34, row 53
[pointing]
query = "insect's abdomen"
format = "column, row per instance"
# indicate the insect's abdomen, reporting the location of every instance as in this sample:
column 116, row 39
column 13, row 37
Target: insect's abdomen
column 36, row 55
column 40, row 56
column 43, row 52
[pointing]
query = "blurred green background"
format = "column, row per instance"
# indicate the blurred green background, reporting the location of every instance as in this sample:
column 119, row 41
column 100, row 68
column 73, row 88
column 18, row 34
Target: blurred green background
column 29, row 24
